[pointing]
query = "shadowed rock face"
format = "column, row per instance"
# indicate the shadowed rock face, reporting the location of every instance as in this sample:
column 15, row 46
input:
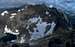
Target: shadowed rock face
column 3, row 21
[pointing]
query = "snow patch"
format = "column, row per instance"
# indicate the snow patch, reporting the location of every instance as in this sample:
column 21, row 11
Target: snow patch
column 7, row 30
column 12, row 17
column 41, row 27
column 13, row 14
column 22, row 9
column 17, row 30
column 51, row 6
column 19, row 10
column 33, row 20
column 52, row 28
column 13, row 41
column 3, row 13
column 22, row 39
column 47, row 12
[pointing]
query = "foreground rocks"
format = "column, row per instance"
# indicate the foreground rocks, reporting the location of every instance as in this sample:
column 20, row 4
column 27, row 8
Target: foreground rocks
column 25, row 20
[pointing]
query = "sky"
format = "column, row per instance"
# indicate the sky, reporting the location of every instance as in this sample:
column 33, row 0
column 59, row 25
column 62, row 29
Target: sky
column 64, row 4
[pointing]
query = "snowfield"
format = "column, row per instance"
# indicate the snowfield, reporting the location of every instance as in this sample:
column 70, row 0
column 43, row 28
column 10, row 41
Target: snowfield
column 41, row 27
